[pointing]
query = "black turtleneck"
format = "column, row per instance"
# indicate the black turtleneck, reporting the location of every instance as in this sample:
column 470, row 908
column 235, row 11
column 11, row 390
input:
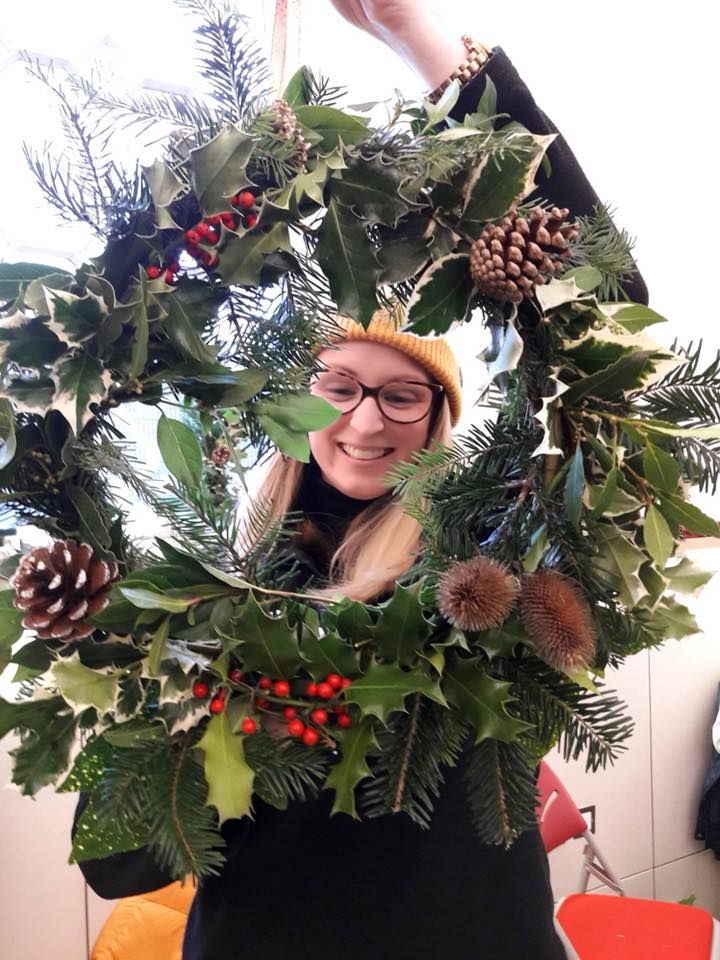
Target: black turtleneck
column 330, row 509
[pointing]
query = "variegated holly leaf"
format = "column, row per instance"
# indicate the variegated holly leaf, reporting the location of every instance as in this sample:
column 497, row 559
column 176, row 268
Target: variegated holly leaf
column 75, row 319
column 546, row 418
column 402, row 629
column 442, row 296
column 483, row 701
column 619, row 559
column 229, row 776
column 355, row 742
column 80, row 381
column 384, row 687
column 83, row 687
column 8, row 443
column 688, row 577
column 677, row 620
column 495, row 184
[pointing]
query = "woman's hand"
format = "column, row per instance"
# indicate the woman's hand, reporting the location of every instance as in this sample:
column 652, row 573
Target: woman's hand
column 413, row 29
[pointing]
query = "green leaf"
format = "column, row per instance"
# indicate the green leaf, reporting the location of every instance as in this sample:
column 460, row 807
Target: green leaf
column 354, row 621
column 613, row 499
column 620, row 560
column 180, row 451
column 75, row 319
column 677, row 620
column 216, row 385
column 120, row 834
column 8, row 444
column 660, row 469
column 287, row 420
column 665, row 429
column 243, row 256
column 574, row 486
column 229, row 776
column 81, row 687
column 163, row 182
column 91, row 525
column 370, row 189
column 349, row 263
column 134, row 732
column 332, row 127
column 657, row 536
column 384, row 687
column 180, row 327
column 13, row 276
column 687, row 577
column 602, row 498
column 138, row 316
column 496, row 183
column 295, row 93
column 328, row 654
column 483, row 701
column 586, row 278
column 154, row 600
column 355, row 742
column 441, row 297
column 675, row 509
column 556, row 292
column 623, row 375
column 267, row 644
column 218, row 169
column 11, row 628
column 402, row 258
column 157, row 647
column 633, row 316
column 536, row 549
column 33, row 715
column 79, row 382
column 43, row 756
column 402, row 629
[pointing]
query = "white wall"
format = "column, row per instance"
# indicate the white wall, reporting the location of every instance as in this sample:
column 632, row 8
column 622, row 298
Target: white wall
column 631, row 88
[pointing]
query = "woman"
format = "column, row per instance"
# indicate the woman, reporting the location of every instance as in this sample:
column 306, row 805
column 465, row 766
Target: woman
column 298, row 883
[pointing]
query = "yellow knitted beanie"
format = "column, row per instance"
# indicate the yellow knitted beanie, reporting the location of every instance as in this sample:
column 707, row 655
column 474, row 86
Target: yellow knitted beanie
column 433, row 353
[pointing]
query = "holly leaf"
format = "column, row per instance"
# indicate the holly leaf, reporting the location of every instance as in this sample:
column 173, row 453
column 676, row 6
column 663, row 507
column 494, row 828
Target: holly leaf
column 345, row 775
column 217, row 169
column 267, row 644
column 657, row 536
column 8, row 443
column 678, row 511
column 687, row 577
column 164, row 184
column 501, row 641
column 632, row 316
column 183, row 325
column 327, row 654
column 483, row 701
column 30, row 396
column 401, row 631
column 243, row 255
column 180, row 451
column 619, row 559
column 496, row 183
column 349, row 263
column 574, row 486
column 370, row 189
column 660, row 469
column 354, row 621
column 384, row 687
column 81, row 687
column 330, row 126
column 441, row 297
column 79, row 382
column 43, row 755
column 33, row 715
column 228, row 774
column 75, row 319
column 677, row 620
column 623, row 375
column 14, row 276
column 11, row 628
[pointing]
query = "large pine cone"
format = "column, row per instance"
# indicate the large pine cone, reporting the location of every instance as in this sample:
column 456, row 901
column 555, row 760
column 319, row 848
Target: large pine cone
column 510, row 259
column 285, row 125
column 61, row 587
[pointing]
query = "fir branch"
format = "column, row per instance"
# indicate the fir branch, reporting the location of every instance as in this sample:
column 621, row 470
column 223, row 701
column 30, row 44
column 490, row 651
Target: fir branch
column 501, row 791
column 407, row 774
column 595, row 723
column 318, row 90
column 285, row 771
column 601, row 245
column 699, row 461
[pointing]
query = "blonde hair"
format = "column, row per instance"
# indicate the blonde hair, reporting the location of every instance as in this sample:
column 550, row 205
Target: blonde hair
column 381, row 542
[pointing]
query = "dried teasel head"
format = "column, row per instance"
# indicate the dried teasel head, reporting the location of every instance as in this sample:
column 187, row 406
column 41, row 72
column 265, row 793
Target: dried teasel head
column 557, row 619
column 476, row 594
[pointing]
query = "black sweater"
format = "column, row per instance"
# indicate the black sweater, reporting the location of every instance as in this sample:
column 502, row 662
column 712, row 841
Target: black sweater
column 301, row 884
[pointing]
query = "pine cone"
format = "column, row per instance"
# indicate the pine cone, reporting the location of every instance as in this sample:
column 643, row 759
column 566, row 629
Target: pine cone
column 510, row 259
column 61, row 587
column 285, row 125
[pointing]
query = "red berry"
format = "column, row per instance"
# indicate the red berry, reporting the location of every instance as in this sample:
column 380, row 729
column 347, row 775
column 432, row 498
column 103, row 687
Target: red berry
column 324, row 690
column 296, row 728
column 212, row 236
column 214, row 219
column 335, row 680
column 236, row 675
column 168, row 276
column 346, row 681
column 339, row 709
column 250, row 220
column 310, row 736
column 200, row 689
column 209, row 259
column 281, row 688
column 264, row 683
column 311, row 689
column 228, row 220
column 220, row 693
column 289, row 712
column 192, row 237
column 244, row 200
column 262, row 703
column 217, row 705
column 319, row 716
column 201, row 229
column 153, row 272
column 344, row 720
column 248, row 725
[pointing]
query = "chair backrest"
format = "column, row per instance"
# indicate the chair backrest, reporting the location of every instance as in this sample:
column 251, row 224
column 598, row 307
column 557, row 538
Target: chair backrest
column 558, row 817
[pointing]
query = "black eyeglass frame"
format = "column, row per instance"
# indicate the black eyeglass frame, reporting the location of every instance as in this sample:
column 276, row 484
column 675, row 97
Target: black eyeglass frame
column 365, row 391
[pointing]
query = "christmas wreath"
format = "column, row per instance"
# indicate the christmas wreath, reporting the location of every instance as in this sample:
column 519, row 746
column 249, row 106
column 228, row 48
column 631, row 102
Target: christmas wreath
column 549, row 531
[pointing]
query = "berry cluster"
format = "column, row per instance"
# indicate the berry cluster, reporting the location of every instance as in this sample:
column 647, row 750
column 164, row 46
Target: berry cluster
column 206, row 233
column 319, row 716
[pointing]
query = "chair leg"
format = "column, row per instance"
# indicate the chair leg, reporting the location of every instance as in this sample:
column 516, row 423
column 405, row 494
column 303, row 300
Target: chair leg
column 595, row 863
column 570, row 951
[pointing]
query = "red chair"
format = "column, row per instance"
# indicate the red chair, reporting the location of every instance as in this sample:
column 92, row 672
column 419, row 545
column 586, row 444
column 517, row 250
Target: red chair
column 597, row 927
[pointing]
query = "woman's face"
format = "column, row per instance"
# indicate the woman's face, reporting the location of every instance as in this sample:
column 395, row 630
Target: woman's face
column 339, row 448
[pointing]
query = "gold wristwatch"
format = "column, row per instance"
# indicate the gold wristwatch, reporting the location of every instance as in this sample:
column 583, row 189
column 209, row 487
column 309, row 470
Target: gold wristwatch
column 478, row 56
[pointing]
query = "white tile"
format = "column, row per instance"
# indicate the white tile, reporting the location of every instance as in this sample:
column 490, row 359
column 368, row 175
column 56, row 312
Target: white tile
column 620, row 793
column 684, row 679
column 698, row 874
column 42, row 907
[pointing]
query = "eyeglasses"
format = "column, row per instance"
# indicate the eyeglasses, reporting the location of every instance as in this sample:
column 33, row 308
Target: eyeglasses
column 403, row 401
